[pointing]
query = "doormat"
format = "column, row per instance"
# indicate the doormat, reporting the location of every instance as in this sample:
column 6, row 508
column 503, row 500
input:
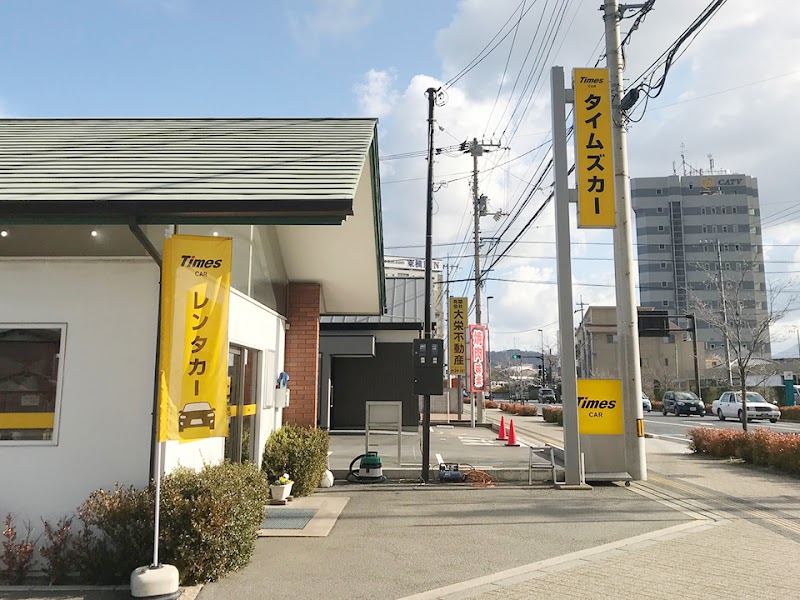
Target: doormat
column 287, row 518
column 311, row 516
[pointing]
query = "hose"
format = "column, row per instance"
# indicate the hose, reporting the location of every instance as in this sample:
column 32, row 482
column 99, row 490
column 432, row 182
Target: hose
column 353, row 472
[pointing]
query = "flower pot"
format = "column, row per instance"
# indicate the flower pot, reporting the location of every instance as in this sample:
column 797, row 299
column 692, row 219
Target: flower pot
column 281, row 492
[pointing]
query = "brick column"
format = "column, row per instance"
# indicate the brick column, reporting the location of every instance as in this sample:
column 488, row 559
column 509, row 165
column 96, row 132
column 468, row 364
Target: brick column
column 302, row 350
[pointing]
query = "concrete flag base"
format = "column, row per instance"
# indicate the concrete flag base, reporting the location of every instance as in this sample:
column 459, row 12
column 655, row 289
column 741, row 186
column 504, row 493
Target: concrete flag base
column 155, row 583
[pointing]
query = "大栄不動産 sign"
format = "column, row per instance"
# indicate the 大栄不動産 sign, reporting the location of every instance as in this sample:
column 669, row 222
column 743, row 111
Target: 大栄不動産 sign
column 193, row 366
column 594, row 160
column 458, row 336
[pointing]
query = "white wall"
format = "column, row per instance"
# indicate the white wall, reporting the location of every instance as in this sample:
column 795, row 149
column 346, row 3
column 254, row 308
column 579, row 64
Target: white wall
column 110, row 307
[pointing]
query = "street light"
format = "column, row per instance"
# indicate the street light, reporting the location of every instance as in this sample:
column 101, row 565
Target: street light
column 488, row 348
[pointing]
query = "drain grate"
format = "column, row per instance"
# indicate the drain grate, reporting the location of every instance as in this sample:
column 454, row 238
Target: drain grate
column 287, row 518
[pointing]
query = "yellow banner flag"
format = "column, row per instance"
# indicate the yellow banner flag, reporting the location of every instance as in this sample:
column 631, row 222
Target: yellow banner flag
column 193, row 364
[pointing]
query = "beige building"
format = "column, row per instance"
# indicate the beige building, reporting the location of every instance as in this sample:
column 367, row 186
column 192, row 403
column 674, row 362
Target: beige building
column 666, row 360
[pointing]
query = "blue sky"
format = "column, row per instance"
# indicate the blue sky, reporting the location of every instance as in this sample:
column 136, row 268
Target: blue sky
column 102, row 58
column 273, row 58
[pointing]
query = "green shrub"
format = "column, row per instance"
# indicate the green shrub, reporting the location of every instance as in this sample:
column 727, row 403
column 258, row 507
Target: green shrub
column 790, row 413
column 553, row 414
column 209, row 521
column 302, row 452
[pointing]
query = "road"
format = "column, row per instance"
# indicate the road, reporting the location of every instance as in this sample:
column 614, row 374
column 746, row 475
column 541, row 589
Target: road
column 672, row 427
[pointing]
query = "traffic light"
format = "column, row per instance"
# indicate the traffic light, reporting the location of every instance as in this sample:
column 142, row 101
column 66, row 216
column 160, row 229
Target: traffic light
column 515, row 356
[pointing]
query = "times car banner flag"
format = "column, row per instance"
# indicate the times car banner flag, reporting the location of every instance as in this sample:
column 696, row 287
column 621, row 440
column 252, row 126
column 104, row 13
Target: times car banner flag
column 458, row 336
column 477, row 358
column 594, row 158
column 193, row 362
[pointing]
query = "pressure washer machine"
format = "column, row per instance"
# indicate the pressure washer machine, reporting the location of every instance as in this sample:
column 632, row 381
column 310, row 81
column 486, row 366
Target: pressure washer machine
column 370, row 469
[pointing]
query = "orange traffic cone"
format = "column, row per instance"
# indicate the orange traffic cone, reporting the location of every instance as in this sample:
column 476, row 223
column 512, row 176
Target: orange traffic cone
column 502, row 437
column 512, row 437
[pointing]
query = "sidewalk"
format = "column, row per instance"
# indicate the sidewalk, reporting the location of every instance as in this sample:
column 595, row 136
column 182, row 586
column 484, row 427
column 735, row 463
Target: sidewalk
column 743, row 517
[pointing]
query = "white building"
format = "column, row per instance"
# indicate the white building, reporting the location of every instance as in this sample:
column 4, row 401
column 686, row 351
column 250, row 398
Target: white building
column 84, row 206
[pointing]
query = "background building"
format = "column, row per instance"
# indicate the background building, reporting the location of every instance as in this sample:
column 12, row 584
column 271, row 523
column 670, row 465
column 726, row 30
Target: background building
column 395, row 266
column 678, row 223
column 669, row 360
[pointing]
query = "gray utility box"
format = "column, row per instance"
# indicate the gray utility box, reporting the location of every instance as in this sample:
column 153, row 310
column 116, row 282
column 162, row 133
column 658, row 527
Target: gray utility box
column 428, row 367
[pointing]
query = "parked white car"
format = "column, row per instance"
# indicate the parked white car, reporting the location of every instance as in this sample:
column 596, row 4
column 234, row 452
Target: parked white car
column 729, row 405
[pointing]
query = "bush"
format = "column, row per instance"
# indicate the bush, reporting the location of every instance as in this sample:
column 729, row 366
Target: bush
column 58, row 551
column 211, row 518
column 527, row 411
column 552, row 414
column 790, row 413
column 657, row 405
column 708, row 409
column 209, row 521
column 489, row 404
column 302, row 452
column 760, row 447
column 17, row 556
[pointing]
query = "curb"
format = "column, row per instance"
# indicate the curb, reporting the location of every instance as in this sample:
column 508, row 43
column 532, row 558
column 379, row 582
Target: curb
column 668, row 438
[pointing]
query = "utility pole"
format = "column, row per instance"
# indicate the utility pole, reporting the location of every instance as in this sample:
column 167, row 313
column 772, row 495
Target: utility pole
column 721, row 282
column 479, row 210
column 426, row 399
column 627, row 327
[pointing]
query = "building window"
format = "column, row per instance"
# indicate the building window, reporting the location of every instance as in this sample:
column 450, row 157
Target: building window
column 738, row 247
column 751, row 212
column 663, row 284
column 713, row 210
column 30, row 382
column 703, row 210
column 706, row 266
column 713, row 229
column 660, row 209
column 723, row 210
column 691, row 186
column 665, row 303
column 611, row 338
column 661, row 228
column 662, row 247
column 753, row 230
column 658, row 193
column 724, row 229
column 663, row 265
column 705, row 229
column 705, row 248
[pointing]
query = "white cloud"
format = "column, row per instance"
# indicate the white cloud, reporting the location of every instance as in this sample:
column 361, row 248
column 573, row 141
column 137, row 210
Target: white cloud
column 748, row 130
column 376, row 93
column 331, row 20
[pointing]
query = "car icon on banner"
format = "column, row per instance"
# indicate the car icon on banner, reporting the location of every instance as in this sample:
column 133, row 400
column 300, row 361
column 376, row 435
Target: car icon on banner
column 196, row 414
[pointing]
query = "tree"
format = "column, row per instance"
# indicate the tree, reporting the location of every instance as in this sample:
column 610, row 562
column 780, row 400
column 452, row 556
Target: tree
column 744, row 326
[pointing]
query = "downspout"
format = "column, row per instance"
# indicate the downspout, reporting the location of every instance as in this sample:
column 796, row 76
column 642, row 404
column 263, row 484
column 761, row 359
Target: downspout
column 153, row 252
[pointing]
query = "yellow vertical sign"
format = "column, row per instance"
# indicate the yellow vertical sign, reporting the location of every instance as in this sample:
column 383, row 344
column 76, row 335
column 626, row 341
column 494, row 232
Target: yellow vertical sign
column 458, row 336
column 193, row 364
column 594, row 158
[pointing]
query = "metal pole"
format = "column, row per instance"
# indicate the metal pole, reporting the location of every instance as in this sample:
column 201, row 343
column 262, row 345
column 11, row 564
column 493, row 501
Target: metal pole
column 157, row 515
column 724, row 315
column 488, row 349
column 426, row 399
column 544, row 367
column 476, row 150
column 627, row 327
column 696, row 358
column 798, row 340
column 569, row 383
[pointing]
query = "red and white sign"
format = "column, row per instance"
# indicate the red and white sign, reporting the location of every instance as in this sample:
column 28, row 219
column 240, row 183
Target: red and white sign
column 477, row 358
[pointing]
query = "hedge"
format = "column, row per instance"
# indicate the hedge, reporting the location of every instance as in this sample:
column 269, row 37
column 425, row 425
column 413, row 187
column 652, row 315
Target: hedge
column 519, row 409
column 553, row 414
column 759, row 447
column 790, row 413
column 302, row 452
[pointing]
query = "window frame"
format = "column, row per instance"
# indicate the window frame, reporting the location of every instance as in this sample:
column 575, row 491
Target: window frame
column 62, row 327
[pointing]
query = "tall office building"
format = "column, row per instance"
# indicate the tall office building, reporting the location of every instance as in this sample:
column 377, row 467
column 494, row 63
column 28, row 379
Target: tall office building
column 678, row 222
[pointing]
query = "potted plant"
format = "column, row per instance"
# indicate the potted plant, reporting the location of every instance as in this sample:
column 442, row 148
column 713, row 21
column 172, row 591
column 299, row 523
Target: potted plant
column 281, row 488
